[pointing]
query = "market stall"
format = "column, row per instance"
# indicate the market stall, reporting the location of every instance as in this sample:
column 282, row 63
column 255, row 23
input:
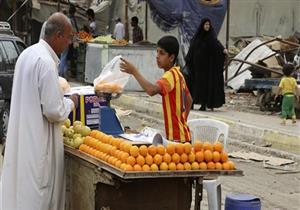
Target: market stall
column 94, row 184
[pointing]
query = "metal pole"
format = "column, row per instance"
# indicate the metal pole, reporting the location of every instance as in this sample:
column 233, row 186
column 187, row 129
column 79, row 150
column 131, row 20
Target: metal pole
column 126, row 21
column 58, row 5
column 146, row 21
column 227, row 36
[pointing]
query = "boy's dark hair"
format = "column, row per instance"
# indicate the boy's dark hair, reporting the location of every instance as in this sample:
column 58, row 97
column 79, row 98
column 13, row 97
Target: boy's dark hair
column 288, row 69
column 90, row 12
column 135, row 19
column 170, row 45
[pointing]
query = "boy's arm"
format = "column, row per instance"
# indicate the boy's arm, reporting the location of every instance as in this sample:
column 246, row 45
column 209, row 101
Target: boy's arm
column 151, row 89
column 189, row 103
column 278, row 92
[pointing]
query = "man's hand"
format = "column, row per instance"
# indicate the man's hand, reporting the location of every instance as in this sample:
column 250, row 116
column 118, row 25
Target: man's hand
column 128, row 67
column 74, row 98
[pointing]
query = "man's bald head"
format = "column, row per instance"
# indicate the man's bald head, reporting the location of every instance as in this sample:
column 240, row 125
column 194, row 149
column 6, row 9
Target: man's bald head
column 56, row 23
column 58, row 32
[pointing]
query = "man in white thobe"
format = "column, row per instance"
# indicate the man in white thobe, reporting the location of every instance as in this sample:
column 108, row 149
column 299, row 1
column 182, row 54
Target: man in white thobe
column 119, row 32
column 33, row 169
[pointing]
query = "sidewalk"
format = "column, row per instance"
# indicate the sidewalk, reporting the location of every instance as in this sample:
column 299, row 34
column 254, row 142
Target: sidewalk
column 246, row 127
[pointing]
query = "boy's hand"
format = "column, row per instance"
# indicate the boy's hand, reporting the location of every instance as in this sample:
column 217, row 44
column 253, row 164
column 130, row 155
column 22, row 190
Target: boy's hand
column 127, row 67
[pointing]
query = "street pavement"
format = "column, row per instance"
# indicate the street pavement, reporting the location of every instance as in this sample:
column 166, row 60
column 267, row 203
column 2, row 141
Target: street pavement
column 254, row 131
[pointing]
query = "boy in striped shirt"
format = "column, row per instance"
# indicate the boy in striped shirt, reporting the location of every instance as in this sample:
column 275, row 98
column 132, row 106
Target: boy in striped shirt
column 176, row 98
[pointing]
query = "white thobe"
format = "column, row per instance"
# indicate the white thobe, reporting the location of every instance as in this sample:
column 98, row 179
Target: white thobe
column 119, row 32
column 33, row 169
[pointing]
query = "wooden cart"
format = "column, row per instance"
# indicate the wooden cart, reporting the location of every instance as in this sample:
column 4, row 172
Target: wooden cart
column 95, row 185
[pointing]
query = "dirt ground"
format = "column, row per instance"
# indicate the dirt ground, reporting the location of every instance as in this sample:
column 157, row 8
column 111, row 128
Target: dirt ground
column 276, row 191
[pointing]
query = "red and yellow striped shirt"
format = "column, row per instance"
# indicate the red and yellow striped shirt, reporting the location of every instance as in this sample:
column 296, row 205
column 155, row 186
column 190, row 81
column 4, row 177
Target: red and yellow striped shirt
column 174, row 94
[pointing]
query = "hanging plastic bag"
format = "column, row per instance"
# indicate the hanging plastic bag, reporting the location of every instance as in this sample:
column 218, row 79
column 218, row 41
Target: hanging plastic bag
column 111, row 79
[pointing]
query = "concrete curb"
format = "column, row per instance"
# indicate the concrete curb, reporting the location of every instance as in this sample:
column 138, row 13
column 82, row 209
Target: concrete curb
column 245, row 132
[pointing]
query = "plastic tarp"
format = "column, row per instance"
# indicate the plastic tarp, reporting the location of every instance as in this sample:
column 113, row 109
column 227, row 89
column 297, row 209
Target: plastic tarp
column 186, row 15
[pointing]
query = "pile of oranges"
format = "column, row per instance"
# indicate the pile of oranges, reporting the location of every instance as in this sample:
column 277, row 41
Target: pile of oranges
column 122, row 154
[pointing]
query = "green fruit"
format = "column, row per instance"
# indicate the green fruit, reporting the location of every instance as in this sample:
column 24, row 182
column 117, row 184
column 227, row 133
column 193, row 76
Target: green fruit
column 69, row 133
column 76, row 135
column 77, row 142
column 77, row 123
column 85, row 131
column 67, row 123
column 77, row 128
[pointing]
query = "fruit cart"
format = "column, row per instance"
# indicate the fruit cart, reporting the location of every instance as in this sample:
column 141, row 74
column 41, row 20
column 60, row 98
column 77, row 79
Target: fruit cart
column 94, row 184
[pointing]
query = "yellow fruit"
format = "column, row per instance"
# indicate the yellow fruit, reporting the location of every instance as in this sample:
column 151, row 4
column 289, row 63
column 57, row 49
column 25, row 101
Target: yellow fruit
column 218, row 146
column 199, row 156
column 175, row 158
column 184, row 158
column 154, row 167
column 140, row 160
column 160, row 149
column 167, row 158
column 195, row 166
column 152, row 150
column 179, row 149
column 231, row 165
column 163, row 166
column 124, row 157
column 134, row 151
column 149, row 160
column 216, row 156
column 137, row 167
column 208, row 146
column 146, row 168
column 211, row 165
column 157, row 159
column 208, row 156
column 172, row 166
column 226, row 166
column 202, row 166
column 219, row 166
column 187, row 166
column 192, row 157
column 128, row 167
column 170, row 149
column 143, row 150
column 224, row 157
column 179, row 167
column 187, row 147
column 131, row 160
column 197, row 145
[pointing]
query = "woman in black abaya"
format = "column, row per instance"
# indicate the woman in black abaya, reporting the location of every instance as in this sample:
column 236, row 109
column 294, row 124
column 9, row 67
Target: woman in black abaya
column 205, row 62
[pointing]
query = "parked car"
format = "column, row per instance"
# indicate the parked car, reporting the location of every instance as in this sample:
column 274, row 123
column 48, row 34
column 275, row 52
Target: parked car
column 10, row 49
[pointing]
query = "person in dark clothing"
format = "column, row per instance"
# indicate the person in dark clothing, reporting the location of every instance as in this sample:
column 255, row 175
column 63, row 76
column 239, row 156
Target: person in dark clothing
column 137, row 32
column 204, row 63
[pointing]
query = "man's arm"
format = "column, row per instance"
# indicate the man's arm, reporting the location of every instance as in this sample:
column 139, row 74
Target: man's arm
column 150, row 89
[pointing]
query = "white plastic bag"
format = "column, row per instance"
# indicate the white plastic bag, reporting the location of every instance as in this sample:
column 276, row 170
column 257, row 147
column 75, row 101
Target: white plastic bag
column 111, row 79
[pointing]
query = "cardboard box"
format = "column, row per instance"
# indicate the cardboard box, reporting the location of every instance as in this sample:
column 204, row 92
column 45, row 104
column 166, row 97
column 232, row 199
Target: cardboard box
column 88, row 107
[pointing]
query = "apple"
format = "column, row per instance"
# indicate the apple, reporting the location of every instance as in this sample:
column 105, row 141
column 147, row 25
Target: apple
column 85, row 131
column 77, row 123
column 77, row 142
column 67, row 123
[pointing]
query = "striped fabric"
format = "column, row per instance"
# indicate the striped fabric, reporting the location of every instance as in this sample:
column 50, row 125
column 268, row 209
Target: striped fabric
column 174, row 92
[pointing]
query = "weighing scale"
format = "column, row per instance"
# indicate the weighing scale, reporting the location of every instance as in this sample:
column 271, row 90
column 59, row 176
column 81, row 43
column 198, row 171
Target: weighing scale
column 109, row 123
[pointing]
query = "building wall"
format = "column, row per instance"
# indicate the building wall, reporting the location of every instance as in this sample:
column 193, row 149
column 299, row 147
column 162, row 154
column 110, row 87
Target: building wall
column 247, row 18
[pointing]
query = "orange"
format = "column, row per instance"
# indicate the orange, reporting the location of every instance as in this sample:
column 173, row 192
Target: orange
column 146, row 168
column 179, row 148
column 175, row 158
column 179, row 167
column 109, row 139
column 113, row 150
column 149, row 160
column 152, row 150
column 170, row 149
column 128, row 167
column 231, row 165
column 218, row 146
column 154, row 167
column 218, row 166
column 195, row 166
column 167, row 158
column 93, row 133
column 143, row 150
column 122, row 166
column 163, row 166
column 207, row 146
column 197, row 145
column 131, row 160
column 118, row 163
column 202, row 166
column 184, row 158
column 140, row 160
column 187, row 166
column 226, row 166
column 192, row 157
column 187, row 147
column 127, row 147
column 124, row 157
column 161, row 149
column 216, row 156
column 211, row 165
column 199, row 156
column 82, row 147
column 172, row 166
column 137, row 167
column 157, row 159
column 134, row 151
column 208, row 156
column 224, row 157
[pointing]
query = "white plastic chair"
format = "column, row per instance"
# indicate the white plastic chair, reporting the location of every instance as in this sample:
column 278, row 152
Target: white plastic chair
column 210, row 130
